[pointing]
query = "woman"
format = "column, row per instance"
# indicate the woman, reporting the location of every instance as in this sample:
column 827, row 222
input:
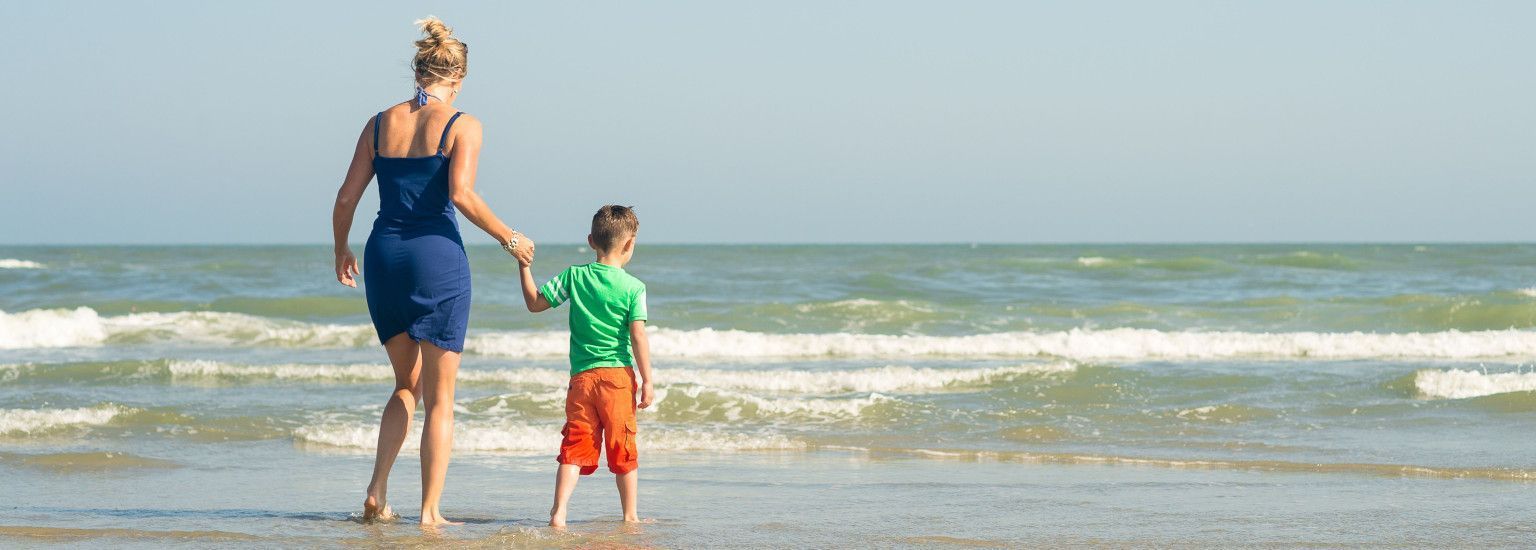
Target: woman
column 415, row 271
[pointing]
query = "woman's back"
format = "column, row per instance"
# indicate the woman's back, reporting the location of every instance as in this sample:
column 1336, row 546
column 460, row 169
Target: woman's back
column 410, row 157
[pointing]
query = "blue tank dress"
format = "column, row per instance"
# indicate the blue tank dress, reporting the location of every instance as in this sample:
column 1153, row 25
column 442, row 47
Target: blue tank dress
column 415, row 272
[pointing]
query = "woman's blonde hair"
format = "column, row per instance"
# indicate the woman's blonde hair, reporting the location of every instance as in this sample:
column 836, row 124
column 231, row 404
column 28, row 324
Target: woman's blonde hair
column 439, row 56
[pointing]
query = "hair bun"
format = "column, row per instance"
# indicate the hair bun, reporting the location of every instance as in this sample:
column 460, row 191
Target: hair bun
column 436, row 30
column 439, row 56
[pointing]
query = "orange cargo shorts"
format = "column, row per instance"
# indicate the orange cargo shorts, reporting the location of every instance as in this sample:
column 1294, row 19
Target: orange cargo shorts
column 600, row 408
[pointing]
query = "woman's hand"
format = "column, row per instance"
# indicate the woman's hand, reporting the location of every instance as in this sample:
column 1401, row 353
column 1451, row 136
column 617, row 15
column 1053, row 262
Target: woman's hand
column 346, row 267
column 524, row 250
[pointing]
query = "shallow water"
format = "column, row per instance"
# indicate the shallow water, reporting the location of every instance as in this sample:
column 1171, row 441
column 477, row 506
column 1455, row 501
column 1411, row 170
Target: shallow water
column 1274, row 395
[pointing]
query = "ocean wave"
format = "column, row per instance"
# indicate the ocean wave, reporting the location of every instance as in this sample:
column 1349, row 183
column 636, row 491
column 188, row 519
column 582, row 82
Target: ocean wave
column 1077, row 344
column 1226, row 413
column 693, row 402
column 227, row 371
column 880, row 379
column 1350, row 468
column 861, row 306
column 12, row 263
column 35, row 421
column 1308, row 260
column 1189, row 263
column 1462, row 384
column 51, row 328
column 84, row 327
column 686, row 404
column 76, row 462
column 890, row 379
column 521, row 438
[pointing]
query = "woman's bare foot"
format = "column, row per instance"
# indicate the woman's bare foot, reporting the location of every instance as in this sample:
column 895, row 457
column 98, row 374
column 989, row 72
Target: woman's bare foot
column 374, row 509
column 433, row 518
column 557, row 518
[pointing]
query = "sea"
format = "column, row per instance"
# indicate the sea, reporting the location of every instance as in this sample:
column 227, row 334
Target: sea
column 828, row 396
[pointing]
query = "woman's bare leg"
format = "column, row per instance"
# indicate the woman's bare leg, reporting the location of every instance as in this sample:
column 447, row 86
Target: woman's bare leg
column 439, row 369
column 405, row 357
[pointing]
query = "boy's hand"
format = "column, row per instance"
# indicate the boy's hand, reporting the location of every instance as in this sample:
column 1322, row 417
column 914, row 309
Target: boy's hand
column 646, row 394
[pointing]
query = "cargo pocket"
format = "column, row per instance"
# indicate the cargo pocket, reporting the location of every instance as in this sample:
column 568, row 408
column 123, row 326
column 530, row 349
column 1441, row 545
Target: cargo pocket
column 620, row 384
column 626, row 457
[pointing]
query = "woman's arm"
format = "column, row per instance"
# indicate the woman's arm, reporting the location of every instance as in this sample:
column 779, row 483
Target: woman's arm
column 359, row 173
column 465, row 160
column 642, row 348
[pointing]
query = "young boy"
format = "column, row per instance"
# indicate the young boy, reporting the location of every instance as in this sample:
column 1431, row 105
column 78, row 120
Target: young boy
column 607, row 338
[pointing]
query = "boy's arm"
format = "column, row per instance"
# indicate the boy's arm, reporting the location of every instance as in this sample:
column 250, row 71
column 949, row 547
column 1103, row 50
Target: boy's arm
column 642, row 348
column 531, row 295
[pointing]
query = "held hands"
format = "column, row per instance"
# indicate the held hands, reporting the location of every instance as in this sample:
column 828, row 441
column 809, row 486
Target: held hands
column 346, row 267
column 647, row 394
column 524, row 250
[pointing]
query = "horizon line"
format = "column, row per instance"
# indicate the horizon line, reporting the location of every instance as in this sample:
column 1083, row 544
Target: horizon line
column 833, row 243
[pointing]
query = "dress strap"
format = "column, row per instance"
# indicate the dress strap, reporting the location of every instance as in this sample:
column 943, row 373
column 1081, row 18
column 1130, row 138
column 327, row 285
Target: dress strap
column 442, row 143
column 378, row 118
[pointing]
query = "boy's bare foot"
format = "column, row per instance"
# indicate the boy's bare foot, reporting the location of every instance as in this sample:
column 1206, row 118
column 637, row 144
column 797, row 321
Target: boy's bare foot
column 375, row 510
column 557, row 518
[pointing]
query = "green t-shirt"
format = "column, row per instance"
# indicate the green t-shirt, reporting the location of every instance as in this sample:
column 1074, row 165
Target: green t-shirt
column 604, row 300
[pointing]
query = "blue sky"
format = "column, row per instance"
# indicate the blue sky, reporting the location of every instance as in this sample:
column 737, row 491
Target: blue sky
column 215, row 122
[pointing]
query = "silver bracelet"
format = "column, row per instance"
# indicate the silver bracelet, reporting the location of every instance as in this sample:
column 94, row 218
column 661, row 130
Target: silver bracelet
column 510, row 246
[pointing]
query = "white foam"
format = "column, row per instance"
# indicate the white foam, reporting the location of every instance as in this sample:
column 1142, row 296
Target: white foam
column 12, row 263
column 215, row 369
column 878, row 379
column 83, row 327
column 734, row 402
column 1092, row 261
column 29, row 421
column 1461, row 384
column 520, row 438
column 1529, row 292
column 356, row 372
column 211, row 327
column 51, row 328
column 1122, row 344
column 881, row 379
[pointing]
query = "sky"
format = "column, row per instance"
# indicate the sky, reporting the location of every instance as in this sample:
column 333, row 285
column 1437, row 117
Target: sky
column 790, row 122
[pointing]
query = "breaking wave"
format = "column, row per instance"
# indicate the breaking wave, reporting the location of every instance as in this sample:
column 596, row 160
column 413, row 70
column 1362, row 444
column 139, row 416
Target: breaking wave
column 84, row 327
column 521, row 438
column 35, row 421
column 1462, row 384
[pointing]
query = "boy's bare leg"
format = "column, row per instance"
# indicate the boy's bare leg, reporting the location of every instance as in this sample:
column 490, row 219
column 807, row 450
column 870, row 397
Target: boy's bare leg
column 438, row 371
column 565, row 484
column 405, row 357
column 629, row 493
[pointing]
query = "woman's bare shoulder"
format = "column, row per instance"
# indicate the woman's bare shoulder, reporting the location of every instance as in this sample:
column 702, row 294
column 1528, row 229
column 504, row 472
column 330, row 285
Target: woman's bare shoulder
column 467, row 122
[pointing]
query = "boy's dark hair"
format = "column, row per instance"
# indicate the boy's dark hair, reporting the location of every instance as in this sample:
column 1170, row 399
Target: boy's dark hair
column 612, row 224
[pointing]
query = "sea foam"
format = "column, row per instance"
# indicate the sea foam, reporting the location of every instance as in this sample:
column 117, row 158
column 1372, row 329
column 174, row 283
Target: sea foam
column 31, row 421
column 1461, row 384
column 12, row 263
column 51, row 328
column 866, row 380
column 1109, row 344
column 84, row 327
column 521, row 438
